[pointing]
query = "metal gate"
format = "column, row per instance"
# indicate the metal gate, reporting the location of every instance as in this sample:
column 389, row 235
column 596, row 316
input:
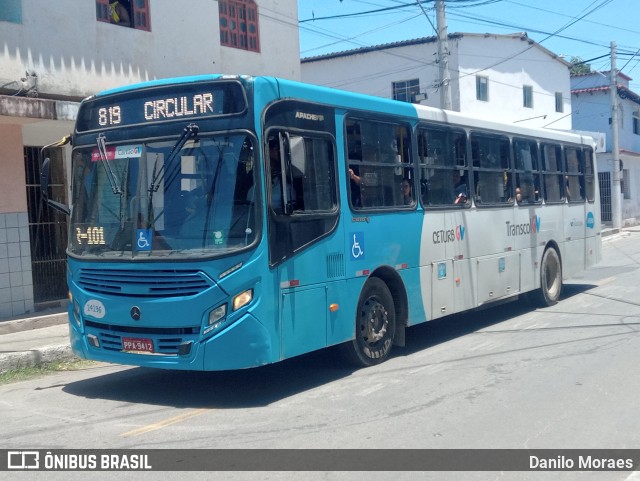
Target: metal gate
column 604, row 179
column 47, row 228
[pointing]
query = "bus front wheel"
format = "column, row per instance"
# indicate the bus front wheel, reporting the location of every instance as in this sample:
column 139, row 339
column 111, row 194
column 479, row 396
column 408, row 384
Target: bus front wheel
column 375, row 325
column 550, row 278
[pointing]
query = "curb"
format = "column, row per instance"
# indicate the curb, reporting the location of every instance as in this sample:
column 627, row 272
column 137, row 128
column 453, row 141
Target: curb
column 35, row 358
column 609, row 232
column 28, row 324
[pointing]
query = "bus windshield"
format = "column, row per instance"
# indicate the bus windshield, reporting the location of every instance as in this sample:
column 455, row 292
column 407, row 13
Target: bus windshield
column 164, row 199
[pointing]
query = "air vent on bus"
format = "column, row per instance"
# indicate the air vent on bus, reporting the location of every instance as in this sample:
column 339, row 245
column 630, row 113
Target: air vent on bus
column 138, row 283
column 335, row 266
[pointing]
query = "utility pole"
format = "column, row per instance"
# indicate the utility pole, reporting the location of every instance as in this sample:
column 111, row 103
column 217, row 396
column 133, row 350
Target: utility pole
column 616, row 201
column 443, row 56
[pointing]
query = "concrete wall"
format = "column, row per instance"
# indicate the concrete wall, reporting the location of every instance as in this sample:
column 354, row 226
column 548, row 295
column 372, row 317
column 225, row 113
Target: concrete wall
column 59, row 52
column 73, row 54
column 372, row 71
column 592, row 111
column 12, row 186
column 16, row 284
column 510, row 63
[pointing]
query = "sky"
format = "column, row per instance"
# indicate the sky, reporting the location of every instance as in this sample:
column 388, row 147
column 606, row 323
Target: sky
column 571, row 28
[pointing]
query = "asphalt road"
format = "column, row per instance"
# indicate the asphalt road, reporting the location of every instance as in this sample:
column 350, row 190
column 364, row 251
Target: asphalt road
column 511, row 377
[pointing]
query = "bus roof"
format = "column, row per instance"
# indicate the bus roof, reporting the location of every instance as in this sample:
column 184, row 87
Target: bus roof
column 350, row 100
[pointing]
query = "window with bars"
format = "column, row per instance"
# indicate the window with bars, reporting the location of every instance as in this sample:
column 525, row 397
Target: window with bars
column 406, row 90
column 124, row 13
column 239, row 24
column 47, row 227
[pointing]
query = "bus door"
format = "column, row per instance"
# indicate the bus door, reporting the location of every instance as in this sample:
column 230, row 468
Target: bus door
column 305, row 246
column 574, row 213
column 458, row 251
column 436, row 269
column 495, row 238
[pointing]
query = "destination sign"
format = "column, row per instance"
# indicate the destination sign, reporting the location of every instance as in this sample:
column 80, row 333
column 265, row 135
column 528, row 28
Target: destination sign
column 161, row 104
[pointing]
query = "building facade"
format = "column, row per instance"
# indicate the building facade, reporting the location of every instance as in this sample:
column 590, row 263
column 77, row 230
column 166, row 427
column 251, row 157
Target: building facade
column 509, row 78
column 56, row 53
column 591, row 98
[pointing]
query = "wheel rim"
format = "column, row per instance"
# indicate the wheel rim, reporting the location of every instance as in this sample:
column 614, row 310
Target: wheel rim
column 552, row 275
column 374, row 323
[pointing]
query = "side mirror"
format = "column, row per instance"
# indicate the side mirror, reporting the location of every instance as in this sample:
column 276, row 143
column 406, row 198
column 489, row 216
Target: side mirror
column 44, row 189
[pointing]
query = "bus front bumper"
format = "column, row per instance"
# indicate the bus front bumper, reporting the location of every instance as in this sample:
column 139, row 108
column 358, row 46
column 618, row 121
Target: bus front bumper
column 245, row 343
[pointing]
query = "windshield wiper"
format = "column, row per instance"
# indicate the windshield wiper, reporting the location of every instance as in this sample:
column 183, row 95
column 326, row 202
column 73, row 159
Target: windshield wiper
column 190, row 130
column 111, row 175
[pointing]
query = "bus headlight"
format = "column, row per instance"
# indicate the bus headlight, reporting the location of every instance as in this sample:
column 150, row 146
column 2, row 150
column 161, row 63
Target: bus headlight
column 216, row 318
column 242, row 299
column 217, row 314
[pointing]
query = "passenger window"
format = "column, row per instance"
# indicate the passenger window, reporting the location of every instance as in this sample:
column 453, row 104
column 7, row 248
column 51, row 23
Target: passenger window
column 574, row 188
column 490, row 156
column 307, row 208
column 554, row 190
column 379, row 165
column 589, row 176
column 443, row 167
column 527, row 188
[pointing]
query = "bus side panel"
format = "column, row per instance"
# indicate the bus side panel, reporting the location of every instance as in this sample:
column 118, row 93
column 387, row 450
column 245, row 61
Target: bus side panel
column 463, row 273
column 574, row 246
column 594, row 239
column 388, row 241
column 495, row 268
column 303, row 329
column 433, row 256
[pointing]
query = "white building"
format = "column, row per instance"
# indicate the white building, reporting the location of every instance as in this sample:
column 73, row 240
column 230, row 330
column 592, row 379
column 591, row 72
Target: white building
column 509, row 78
column 53, row 54
column 591, row 99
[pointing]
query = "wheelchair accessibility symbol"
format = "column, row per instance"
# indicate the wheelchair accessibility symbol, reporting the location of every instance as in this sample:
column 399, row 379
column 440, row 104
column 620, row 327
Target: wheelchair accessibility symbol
column 144, row 238
column 357, row 245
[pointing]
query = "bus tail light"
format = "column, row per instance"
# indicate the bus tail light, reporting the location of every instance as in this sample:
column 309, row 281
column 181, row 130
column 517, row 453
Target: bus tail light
column 242, row 299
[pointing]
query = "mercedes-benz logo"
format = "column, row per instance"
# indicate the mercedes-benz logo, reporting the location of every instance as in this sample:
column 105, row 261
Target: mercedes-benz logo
column 136, row 313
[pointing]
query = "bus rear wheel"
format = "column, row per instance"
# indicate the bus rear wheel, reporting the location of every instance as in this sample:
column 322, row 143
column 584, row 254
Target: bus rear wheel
column 375, row 325
column 550, row 278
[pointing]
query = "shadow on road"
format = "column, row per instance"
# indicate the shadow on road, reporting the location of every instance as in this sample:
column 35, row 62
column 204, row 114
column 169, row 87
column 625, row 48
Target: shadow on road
column 264, row 385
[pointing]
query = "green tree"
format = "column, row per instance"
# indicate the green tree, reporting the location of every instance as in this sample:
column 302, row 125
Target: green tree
column 578, row 66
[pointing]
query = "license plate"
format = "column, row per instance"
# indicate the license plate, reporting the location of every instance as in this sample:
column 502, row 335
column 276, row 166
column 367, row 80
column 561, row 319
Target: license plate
column 137, row 344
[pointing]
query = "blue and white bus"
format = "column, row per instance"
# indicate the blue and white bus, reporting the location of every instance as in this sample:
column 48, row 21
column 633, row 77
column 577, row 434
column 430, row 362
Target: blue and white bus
column 225, row 222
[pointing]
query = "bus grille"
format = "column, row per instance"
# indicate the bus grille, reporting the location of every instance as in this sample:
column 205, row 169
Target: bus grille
column 166, row 340
column 148, row 284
